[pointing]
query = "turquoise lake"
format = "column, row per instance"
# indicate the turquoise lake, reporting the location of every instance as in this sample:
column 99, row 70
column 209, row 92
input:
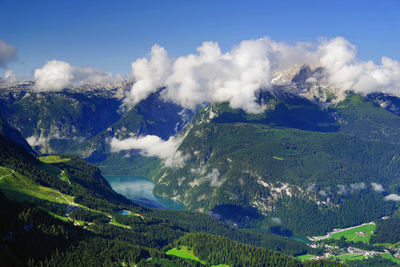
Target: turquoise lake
column 140, row 190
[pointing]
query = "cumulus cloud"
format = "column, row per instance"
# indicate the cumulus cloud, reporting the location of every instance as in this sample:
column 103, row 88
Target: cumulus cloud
column 56, row 75
column 377, row 187
column 357, row 186
column 7, row 53
column 392, row 197
column 339, row 58
column 152, row 146
column 236, row 76
column 213, row 76
column 149, row 74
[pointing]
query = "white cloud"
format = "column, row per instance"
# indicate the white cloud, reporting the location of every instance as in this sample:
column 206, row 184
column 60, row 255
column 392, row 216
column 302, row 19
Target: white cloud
column 152, row 146
column 235, row 76
column 10, row 76
column 149, row 74
column 357, row 186
column 346, row 72
column 392, row 197
column 7, row 53
column 56, row 75
column 213, row 177
column 377, row 187
column 200, row 170
column 213, row 76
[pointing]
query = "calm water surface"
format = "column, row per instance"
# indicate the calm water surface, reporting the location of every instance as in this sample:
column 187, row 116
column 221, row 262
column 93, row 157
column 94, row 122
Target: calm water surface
column 140, row 190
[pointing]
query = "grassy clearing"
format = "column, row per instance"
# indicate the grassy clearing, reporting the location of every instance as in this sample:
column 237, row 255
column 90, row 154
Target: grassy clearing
column 21, row 188
column 4, row 171
column 361, row 233
column 184, row 252
column 305, row 257
column 53, row 159
column 390, row 257
column 350, row 257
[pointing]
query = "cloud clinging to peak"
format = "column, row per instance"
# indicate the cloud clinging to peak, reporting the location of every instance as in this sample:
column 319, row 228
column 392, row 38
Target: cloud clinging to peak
column 7, row 53
column 56, row 75
column 235, row 76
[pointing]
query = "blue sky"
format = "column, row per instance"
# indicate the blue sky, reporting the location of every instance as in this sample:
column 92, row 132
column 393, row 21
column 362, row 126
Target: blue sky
column 109, row 35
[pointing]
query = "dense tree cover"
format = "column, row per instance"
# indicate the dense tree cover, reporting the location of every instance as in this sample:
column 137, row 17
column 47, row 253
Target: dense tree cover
column 29, row 233
column 306, row 217
column 32, row 237
column 321, row 263
column 99, row 252
column 253, row 158
column 90, row 188
column 365, row 118
column 387, row 231
column 219, row 250
column 25, row 227
column 373, row 262
column 88, row 216
column 39, row 238
column 197, row 222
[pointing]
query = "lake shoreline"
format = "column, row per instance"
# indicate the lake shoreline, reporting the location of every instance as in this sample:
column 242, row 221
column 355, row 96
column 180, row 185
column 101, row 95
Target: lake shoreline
column 140, row 190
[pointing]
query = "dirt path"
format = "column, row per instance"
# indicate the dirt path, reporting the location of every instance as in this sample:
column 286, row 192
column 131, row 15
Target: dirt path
column 69, row 202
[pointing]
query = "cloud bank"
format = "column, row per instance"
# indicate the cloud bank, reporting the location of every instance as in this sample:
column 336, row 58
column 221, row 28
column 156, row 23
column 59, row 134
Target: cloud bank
column 152, row 146
column 236, row 76
column 56, row 75
column 7, row 53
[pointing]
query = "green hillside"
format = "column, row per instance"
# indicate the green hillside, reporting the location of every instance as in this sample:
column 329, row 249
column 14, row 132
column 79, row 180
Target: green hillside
column 251, row 168
column 116, row 238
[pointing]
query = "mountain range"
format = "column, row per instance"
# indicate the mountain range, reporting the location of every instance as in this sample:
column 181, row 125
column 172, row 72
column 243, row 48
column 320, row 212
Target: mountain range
column 315, row 159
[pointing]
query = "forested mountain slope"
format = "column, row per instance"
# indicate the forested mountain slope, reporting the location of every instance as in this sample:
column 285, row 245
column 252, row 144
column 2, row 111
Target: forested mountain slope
column 101, row 236
column 298, row 161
